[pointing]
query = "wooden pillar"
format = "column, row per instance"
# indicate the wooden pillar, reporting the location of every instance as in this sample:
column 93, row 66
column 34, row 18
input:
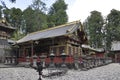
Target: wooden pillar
column 116, row 57
column 19, row 52
column 32, row 50
column 67, row 46
column 67, row 49
column 24, row 51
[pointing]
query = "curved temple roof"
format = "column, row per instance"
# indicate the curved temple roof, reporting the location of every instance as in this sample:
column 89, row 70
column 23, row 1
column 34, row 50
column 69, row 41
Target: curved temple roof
column 52, row 32
column 5, row 26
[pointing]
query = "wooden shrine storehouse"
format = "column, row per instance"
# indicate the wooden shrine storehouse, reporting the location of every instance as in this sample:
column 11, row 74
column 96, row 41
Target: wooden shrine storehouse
column 95, row 53
column 115, row 51
column 66, row 38
column 5, row 31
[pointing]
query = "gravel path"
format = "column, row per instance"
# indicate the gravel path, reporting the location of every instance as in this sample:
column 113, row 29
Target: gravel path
column 18, row 74
column 107, row 72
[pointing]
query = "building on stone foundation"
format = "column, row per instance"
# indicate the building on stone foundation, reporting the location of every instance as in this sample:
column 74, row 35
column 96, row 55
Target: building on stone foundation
column 5, row 31
column 115, row 51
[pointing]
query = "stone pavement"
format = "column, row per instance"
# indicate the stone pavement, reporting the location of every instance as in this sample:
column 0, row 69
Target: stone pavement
column 107, row 72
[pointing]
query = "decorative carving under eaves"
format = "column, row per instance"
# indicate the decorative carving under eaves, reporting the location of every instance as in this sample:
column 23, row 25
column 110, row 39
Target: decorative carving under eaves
column 74, row 36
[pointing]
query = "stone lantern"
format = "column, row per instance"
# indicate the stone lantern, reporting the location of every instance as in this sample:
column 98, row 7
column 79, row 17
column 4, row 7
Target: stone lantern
column 52, row 58
column 9, row 59
column 6, row 60
column 13, row 59
column 34, row 61
column 28, row 60
column 42, row 57
column 63, row 56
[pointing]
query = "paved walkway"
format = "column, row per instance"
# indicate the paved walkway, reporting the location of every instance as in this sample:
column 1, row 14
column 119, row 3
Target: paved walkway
column 107, row 72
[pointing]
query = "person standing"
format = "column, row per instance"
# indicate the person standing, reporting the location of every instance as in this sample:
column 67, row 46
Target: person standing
column 39, row 69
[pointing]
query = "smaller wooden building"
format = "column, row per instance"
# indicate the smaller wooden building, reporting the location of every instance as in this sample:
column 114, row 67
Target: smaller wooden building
column 66, row 38
column 115, row 51
column 95, row 53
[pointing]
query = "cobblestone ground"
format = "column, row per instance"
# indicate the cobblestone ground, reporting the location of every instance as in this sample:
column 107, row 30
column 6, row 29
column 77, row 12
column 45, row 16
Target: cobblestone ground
column 107, row 72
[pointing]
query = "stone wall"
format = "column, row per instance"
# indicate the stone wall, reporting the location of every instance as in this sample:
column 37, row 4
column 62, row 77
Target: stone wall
column 2, row 55
column 4, row 50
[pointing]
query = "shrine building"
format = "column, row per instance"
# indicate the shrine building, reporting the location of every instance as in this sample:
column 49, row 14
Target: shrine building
column 66, row 38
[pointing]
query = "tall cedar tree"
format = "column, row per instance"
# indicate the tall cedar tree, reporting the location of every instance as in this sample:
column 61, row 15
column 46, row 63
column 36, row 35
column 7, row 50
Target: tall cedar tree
column 28, row 15
column 57, row 14
column 35, row 17
column 1, row 11
column 14, row 17
column 94, row 24
column 40, row 17
column 112, row 27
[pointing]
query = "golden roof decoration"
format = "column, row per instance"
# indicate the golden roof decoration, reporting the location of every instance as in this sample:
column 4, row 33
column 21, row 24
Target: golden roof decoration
column 4, row 23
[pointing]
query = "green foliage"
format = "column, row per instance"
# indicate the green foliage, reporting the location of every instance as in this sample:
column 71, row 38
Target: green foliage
column 40, row 18
column 1, row 11
column 29, row 16
column 39, row 6
column 34, row 17
column 113, row 27
column 94, row 24
column 14, row 17
column 57, row 14
column 17, row 35
column 7, row 14
column 107, row 33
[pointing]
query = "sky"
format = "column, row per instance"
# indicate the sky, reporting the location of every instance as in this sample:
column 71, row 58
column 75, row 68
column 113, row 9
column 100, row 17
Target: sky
column 77, row 9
